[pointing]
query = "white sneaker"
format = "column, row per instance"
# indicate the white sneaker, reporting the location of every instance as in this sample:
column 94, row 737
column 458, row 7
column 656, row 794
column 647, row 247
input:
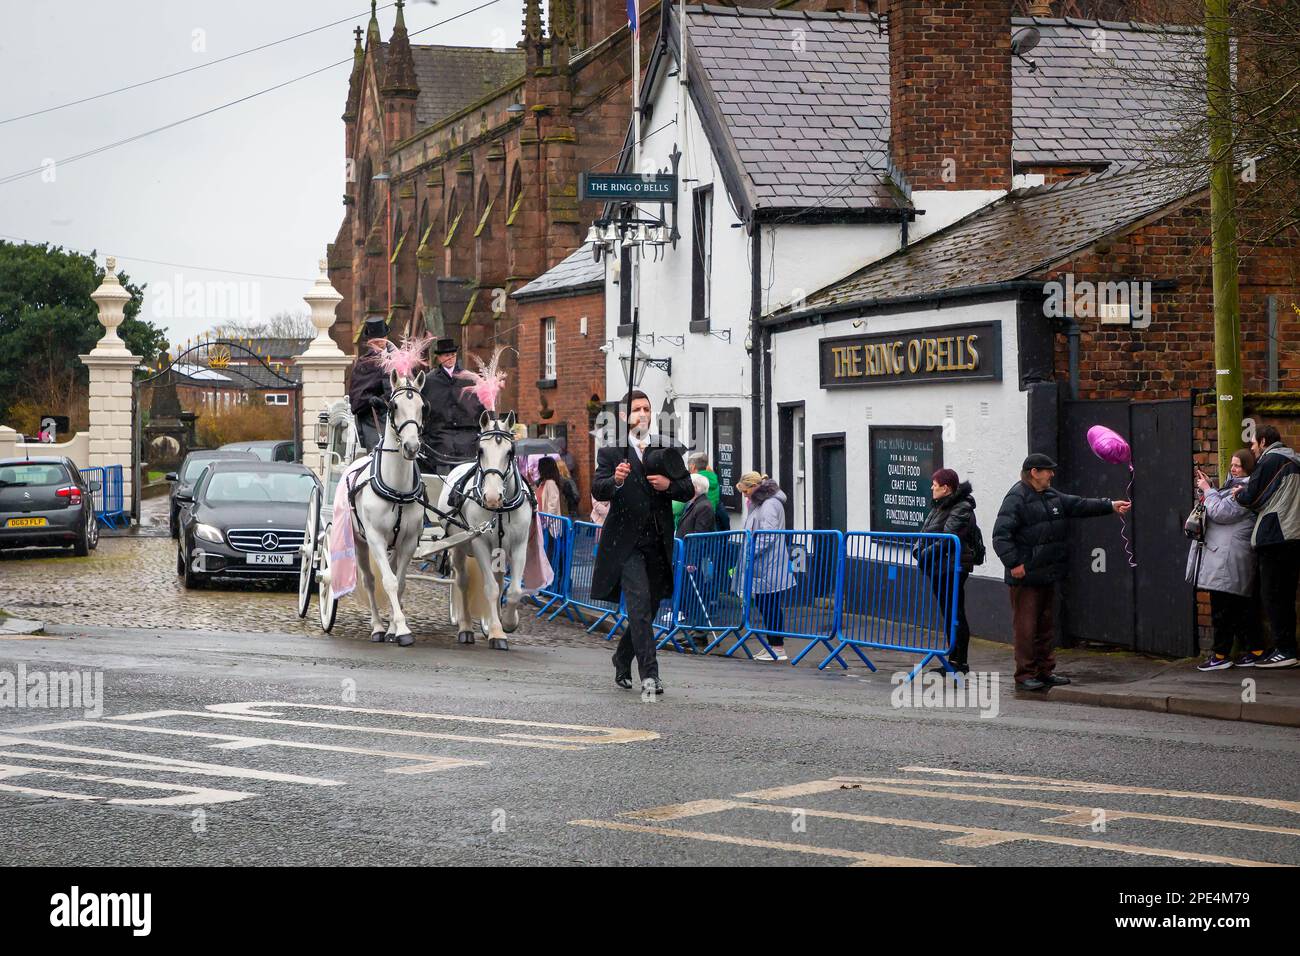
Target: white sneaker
column 765, row 656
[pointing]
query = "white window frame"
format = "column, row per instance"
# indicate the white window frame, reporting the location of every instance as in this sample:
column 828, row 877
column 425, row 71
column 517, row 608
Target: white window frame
column 549, row 351
column 276, row 398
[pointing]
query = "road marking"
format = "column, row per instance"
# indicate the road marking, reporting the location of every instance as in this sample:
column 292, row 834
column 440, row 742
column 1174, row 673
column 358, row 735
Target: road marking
column 242, row 712
column 152, row 763
column 33, row 637
column 859, row 857
column 1073, row 814
column 184, row 796
column 993, row 837
column 678, row 811
column 1084, row 786
column 598, row 735
column 416, row 763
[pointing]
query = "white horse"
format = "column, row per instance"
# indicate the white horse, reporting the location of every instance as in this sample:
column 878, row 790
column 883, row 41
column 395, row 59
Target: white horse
column 388, row 507
column 493, row 490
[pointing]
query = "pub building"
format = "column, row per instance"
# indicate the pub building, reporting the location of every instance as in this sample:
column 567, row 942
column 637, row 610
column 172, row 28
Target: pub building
column 852, row 300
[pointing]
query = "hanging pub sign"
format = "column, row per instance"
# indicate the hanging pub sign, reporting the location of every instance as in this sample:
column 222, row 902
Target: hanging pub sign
column 942, row 354
column 902, row 461
column 726, row 455
column 628, row 187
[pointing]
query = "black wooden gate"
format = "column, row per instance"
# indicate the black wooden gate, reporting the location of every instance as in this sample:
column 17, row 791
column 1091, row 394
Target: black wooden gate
column 1148, row 608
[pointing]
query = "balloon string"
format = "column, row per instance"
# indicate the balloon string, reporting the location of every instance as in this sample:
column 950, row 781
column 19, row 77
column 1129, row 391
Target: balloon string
column 1123, row 521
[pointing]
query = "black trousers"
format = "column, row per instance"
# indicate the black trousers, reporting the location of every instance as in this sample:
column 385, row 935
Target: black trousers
column 962, row 647
column 1279, row 572
column 639, row 636
column 769, row 606
column 1235, row 617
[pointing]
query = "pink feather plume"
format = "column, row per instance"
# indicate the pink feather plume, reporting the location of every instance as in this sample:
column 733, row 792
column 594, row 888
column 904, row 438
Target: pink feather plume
column 405, row 359
column 488, row 381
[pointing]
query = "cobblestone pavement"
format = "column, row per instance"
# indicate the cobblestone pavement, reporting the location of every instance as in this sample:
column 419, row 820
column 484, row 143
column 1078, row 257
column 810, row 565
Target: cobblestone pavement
column 131, row 581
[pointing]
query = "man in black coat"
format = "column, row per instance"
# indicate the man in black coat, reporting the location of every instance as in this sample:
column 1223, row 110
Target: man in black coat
column 1029, row 537
column 369, row 381
column 635, row 555
column 451, row 422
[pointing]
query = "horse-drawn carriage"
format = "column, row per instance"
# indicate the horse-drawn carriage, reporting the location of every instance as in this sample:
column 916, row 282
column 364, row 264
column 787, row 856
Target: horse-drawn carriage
column 376, row 512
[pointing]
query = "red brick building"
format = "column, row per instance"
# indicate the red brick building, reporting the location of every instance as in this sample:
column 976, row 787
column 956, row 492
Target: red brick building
column 561, row 374
column 483, row 149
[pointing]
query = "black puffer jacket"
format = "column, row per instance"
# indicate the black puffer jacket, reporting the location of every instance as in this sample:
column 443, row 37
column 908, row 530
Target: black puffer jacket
column 1031, row 530
column 955, row 514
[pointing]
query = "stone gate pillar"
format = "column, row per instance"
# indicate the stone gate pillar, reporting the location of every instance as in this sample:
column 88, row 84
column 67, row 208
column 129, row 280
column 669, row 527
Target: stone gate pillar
column 324, row 365
column 111, row 367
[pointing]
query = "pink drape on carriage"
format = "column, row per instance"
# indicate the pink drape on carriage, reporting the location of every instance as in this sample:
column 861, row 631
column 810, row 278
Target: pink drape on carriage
column 538, row 572
column 343, row 544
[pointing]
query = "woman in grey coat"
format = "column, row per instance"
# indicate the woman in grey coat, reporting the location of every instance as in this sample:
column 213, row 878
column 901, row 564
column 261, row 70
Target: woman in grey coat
column 1226, row 568
column 772, row 576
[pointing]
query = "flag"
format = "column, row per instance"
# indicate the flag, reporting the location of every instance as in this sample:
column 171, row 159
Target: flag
column 632, row 23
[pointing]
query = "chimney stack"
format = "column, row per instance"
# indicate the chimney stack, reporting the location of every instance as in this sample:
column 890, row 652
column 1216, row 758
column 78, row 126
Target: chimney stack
column 950, row 93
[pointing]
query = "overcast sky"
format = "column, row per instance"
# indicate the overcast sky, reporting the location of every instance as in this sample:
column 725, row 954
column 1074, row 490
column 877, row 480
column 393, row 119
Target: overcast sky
column 254, row 188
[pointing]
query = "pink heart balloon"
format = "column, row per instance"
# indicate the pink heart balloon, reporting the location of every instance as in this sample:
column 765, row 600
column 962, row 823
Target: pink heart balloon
column 1109, row 446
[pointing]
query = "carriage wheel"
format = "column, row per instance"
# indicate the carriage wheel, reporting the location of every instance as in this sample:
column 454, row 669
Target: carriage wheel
column 329, row 604
column 307, row 559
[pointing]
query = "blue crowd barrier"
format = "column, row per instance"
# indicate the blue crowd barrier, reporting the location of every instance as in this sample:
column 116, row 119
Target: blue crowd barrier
column 890, row 600
column 113, row 494
column 706, row 599
column 667, row 622
column 558, row 533
column 582, row 562
column 94, row 474
column 792, row 582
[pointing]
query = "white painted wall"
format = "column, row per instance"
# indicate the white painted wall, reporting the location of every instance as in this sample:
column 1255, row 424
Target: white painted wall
column 943, row 207
column 987, row 447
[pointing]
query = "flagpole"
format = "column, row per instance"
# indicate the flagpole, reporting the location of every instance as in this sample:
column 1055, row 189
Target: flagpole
column 634, row 30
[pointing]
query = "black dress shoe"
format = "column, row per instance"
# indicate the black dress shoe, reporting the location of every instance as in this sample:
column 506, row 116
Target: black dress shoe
column 623, row 680
column 1055, row 680
column 1032, row 684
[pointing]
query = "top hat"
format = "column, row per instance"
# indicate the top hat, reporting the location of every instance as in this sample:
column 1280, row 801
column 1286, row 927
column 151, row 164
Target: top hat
column 376, row 327
column 443, row 346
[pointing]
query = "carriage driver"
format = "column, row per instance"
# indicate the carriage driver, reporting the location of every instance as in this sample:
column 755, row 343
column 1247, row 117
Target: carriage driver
column 369, row 381
column 451, row 424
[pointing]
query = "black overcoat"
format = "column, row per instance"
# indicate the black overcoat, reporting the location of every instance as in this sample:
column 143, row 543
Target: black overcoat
column 634, row 509
column 451, row 418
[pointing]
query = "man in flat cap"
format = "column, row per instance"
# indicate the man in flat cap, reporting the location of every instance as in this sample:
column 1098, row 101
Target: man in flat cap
column 369, row 381
column 451, row 423
column 1029, row 537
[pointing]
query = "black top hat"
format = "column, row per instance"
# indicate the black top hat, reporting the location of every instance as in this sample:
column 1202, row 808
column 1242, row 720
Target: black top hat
column 443, row 346
column 1038, row 460
column 376, row 327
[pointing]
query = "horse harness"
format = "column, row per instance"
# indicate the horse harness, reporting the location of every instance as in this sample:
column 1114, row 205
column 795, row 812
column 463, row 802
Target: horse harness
column 463, row 491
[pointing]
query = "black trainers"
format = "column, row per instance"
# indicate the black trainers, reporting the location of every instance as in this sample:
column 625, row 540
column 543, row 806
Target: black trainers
column 1278, row 659
column 1216, row 663
column 1055, row 680
column 1032, row 684
column 1249, row 659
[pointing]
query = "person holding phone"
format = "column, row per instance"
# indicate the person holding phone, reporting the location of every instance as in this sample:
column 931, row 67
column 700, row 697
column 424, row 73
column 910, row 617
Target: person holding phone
column 1224, row 565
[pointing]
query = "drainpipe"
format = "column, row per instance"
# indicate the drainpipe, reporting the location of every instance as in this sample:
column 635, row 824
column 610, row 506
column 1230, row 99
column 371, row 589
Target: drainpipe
column 1072, row 335
column 756, row 345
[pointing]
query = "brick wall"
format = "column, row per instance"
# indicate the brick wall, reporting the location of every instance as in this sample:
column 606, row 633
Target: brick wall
column 950, row 88
column 580, row 369
column 1174, row 356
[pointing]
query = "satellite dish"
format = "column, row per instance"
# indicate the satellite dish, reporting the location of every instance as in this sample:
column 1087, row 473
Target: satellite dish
column 1024, row 40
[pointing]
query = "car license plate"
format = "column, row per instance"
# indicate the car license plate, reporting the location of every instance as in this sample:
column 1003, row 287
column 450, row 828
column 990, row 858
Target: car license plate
column 26, row 523
column 270, row 559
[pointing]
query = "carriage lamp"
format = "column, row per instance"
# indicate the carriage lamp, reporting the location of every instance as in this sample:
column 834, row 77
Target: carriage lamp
column 322, row 430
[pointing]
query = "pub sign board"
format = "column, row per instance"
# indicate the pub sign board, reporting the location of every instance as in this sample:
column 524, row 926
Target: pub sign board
column 629, row 187
column 944, row 353
column 902, row 461
column 726, row 455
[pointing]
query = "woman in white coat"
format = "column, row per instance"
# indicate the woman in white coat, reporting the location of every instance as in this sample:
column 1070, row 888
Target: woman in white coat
column 1224, row 565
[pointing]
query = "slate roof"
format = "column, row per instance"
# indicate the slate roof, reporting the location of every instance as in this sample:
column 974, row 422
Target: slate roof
column 810, row 120
column 575, row 273
column 1012, row 238
column 453, row 77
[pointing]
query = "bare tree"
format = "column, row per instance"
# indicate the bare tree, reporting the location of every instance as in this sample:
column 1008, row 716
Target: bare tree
column 282, row 325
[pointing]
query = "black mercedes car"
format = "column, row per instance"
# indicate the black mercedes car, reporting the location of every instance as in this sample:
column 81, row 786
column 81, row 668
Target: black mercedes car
column 244, row 519
column 183, row 478
column 269, row 450
column 47, row 501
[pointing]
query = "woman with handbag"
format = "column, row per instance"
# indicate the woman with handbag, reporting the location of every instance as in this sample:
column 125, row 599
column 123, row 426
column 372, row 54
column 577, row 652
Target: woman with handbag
column 1222, row 562
column 953, row 513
